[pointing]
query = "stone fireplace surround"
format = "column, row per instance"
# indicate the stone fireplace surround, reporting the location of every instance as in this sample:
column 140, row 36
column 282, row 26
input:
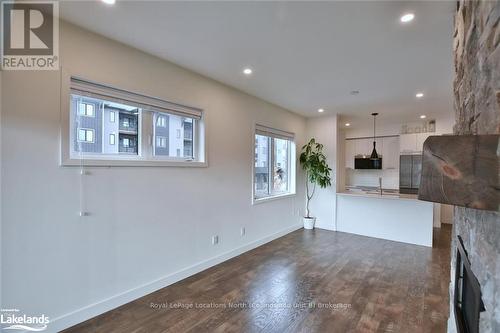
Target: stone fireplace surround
column 476, row 47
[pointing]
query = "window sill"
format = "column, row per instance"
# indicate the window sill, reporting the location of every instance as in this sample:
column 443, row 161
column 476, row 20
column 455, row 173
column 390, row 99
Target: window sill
column 131, row 163
column 272, row 198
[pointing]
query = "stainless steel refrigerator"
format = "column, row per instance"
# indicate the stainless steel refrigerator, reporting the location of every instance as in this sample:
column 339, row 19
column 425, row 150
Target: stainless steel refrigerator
column 410, row 169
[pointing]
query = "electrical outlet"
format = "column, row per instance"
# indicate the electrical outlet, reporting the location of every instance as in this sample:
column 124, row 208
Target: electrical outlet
column 243, row 231
column 215, row 240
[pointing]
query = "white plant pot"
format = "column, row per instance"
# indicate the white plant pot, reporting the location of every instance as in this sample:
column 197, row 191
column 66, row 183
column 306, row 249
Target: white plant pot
column 309, row 222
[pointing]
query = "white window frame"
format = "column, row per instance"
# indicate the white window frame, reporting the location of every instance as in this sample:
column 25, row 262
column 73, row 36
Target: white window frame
column 112, row 142
column 112, row 116
column 292, row 168
column 145, row 157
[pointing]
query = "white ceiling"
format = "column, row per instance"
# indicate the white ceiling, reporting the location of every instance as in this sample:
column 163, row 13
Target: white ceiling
column 305, row 55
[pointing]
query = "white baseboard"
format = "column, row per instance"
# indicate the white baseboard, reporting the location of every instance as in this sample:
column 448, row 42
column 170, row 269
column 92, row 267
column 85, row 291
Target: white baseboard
column 92, row 310
column 325, row 227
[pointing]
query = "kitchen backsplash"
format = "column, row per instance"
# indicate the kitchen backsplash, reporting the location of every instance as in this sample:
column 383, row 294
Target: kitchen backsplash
column 390, row 178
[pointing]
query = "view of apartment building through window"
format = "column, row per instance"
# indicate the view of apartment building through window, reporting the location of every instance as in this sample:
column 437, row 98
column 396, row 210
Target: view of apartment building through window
column 261, row 165
column 98, row 131
column 173, row 135
column 281, row 165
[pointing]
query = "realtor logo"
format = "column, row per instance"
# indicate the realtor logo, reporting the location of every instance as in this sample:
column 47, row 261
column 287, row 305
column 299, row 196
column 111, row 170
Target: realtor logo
column 30, row 35
column 15, row 320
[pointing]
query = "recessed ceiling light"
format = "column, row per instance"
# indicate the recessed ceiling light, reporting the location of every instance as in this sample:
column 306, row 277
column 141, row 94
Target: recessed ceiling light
column 423, row 116
column 109, row 2
column 419, row 95
column 321, row 110
column 247, row 71
column 407, row 17
column 347, row 124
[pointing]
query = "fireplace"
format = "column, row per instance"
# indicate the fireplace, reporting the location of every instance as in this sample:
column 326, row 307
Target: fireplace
column 467, row 300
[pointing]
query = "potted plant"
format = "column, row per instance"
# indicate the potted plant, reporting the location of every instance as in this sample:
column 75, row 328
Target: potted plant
column 313, row 162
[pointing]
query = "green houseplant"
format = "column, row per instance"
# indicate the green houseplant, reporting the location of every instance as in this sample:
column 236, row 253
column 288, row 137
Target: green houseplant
column 313, row 162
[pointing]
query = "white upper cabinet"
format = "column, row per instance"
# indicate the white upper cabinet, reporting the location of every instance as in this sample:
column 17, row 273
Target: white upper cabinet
column 390, row 152
column 408, row 143
column 421, row 137
column 363, row 146
column 412, row 143
column 350, row 152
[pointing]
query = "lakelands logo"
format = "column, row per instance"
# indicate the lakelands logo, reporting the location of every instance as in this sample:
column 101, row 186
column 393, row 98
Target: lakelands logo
column 12, row 319
column 30, row 35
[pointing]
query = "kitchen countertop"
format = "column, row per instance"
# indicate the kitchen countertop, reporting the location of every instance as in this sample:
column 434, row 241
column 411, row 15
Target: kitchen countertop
column 374, row 193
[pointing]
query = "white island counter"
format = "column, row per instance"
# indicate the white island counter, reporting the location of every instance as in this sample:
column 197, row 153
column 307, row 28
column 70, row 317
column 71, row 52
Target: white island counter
column 396, row 217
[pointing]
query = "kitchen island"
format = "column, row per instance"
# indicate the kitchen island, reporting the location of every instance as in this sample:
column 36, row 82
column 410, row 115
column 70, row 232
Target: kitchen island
column 390, row 215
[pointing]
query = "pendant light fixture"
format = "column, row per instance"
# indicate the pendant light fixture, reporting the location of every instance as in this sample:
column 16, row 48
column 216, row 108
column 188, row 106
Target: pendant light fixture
column 374, row 155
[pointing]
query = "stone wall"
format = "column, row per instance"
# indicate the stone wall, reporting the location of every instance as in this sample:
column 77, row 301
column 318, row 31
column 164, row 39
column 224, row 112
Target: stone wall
column 477, row 111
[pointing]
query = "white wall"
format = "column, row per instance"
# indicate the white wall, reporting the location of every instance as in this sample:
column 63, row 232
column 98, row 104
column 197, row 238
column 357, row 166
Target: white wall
column 324, row 130
column 445, row 123
column 148, row 226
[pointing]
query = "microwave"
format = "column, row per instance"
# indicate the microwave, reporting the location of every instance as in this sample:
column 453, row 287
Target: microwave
column 367, row 163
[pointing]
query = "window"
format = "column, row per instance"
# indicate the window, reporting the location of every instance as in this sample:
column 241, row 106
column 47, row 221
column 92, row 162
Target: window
column 106, row 122
column 161, row 142
column 274, row 167
column 261, row 169
column 86, row 109
column 179, row 146
column 281, row 165
column 85, row 135
column 105, row 133
column 161, row 121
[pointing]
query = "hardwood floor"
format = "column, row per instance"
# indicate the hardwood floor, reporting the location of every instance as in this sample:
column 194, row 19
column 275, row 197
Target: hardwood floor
column 306, row 281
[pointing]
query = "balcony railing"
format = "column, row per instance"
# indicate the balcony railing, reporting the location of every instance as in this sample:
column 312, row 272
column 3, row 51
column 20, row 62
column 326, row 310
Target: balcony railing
column 132, row 128
column 128, row 150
